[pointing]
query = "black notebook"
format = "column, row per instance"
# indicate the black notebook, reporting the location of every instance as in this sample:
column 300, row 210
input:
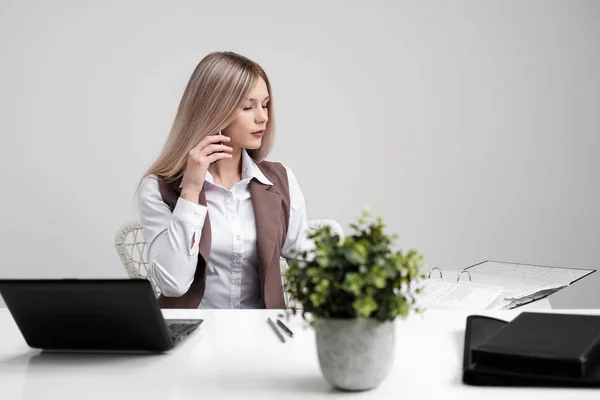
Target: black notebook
column 481, row 330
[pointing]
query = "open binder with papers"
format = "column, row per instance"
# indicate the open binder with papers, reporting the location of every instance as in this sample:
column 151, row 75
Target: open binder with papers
column 495, row 285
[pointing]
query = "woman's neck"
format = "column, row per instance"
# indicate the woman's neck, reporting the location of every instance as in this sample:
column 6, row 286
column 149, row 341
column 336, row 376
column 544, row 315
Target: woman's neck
column 227, row 171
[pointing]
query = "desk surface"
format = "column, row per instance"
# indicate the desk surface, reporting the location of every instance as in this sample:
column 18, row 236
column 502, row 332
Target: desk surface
column 236, row 355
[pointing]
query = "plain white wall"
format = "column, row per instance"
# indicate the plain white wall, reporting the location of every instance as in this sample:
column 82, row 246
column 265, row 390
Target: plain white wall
column 471, row 127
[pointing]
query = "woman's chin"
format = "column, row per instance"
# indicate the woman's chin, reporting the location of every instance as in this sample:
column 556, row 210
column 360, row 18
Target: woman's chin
column 253, row 145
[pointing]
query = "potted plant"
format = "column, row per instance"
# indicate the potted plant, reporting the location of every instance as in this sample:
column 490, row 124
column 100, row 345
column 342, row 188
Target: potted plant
column 351, row 291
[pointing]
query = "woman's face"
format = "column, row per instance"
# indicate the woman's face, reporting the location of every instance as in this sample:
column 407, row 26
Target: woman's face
column 248, row 127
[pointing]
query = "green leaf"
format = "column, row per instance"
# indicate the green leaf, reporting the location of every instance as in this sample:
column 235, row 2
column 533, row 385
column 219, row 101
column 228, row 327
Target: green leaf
column 353, row 283
column 364, row 306
column 316, row 299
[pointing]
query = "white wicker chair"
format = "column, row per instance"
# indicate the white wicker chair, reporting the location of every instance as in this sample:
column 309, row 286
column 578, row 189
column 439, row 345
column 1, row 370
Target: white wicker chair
column 133, row 250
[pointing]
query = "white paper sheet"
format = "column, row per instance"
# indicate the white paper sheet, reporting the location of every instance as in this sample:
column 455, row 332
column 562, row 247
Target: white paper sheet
column 438, row 293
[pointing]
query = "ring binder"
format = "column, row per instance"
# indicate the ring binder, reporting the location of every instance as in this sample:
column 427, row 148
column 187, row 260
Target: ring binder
column 457, row 292
column 439, row 270
column 508, row 285
column 462, row 272
column 434, row 268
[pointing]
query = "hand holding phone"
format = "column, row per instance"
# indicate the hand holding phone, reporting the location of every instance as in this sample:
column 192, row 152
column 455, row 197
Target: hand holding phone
column 209, row 150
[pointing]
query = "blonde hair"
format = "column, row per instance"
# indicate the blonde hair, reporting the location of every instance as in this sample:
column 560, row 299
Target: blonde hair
column 210, row 102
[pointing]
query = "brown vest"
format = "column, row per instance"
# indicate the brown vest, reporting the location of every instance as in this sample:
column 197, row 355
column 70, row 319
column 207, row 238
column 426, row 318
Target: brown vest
column 271, row 210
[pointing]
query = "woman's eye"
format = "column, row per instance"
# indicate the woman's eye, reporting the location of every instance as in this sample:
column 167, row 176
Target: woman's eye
column 247, row 108
column 265, row 107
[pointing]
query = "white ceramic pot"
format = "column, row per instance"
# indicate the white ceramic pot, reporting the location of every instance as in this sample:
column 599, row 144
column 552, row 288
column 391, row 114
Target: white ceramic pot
column 355, row 354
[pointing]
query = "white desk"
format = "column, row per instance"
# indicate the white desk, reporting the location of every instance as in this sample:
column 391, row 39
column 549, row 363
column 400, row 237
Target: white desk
column 236, row 355
column 543, row 304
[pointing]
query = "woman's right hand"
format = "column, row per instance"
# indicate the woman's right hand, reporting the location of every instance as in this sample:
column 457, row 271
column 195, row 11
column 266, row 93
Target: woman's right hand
column 199, row 159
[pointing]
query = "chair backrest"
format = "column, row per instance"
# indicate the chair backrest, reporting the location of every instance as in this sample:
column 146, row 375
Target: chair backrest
column 133, row 250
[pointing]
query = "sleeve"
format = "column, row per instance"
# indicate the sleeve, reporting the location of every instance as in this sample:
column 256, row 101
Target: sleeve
column 172, row 238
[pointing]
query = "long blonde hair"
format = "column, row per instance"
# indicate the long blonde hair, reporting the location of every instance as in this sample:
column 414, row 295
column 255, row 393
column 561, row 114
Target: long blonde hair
column 210, row 102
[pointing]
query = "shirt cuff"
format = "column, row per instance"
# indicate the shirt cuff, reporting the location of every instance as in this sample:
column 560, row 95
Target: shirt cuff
column 190, row 213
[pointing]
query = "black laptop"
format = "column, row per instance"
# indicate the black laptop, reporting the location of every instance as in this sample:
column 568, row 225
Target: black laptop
column 92, row 315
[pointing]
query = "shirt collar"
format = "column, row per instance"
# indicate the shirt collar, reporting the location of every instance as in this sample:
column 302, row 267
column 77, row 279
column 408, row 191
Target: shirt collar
column 249, row 170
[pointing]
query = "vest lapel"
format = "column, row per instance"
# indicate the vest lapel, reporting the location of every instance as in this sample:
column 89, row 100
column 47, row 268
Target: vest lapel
column 267, row 211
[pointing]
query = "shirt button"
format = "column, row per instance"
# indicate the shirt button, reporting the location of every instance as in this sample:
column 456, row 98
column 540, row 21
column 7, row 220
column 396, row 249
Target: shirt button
column 233, row 217
column 228, row 194
column 236, row 305
column 237, row 237
column 237, row 282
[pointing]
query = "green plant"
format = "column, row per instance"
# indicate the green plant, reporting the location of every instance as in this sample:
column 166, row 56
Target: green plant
column 359, row 277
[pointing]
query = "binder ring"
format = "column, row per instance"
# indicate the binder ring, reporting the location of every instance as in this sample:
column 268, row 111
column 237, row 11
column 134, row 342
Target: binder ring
column 461, row 272
column 434, row 268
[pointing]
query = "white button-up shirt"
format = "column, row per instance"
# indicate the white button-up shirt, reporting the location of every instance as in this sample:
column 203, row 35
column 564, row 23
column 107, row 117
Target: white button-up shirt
column 232, row 279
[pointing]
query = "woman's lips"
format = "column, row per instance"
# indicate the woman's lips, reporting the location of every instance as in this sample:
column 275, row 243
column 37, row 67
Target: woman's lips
column 258, row 133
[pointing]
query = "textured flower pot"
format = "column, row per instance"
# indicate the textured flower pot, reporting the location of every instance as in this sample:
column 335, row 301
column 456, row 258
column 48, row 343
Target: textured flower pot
column 355, row 354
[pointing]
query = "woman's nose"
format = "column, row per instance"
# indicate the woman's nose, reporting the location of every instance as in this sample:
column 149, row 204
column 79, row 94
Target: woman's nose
column 262, row 116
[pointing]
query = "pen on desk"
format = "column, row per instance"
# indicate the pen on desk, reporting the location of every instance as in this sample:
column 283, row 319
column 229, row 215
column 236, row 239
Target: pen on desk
column 279, row 335
column 285, row 328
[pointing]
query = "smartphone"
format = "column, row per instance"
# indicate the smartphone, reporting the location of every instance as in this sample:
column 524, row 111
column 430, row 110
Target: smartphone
column 221, row 143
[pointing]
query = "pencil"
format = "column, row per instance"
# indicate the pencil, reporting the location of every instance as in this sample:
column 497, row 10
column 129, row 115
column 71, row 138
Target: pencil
column 285, row 328
column 279, row 335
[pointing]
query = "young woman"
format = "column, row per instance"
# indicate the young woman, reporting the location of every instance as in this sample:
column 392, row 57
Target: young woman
column 216, row 216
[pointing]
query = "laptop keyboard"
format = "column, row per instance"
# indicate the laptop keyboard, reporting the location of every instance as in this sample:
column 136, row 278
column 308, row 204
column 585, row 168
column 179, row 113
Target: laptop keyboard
column 180, row 330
